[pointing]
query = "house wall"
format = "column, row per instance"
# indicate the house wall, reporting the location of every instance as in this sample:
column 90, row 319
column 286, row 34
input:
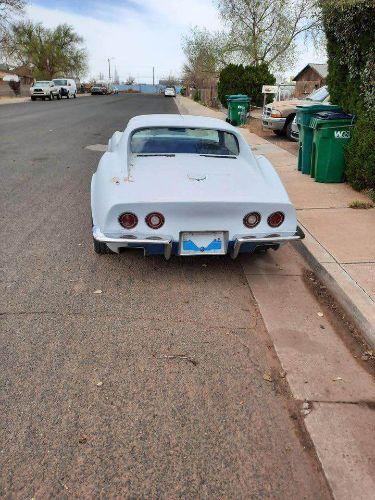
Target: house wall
column 308, row 81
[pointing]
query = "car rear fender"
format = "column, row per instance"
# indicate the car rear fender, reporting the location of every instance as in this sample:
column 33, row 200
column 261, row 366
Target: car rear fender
column 272, row 176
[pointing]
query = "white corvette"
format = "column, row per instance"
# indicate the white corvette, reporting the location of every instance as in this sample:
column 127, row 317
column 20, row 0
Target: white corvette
column 187, row 185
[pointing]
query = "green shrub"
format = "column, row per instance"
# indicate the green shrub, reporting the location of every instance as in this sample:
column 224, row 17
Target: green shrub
column 196, row 95
column 360, row 153
column 350, row 31
column 239, row 79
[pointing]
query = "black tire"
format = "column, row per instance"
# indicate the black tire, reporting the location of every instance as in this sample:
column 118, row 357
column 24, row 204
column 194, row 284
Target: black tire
column 33, row 98
column 58, row 97
column 288, row 128
column 43, row 98
column 68, row 96
column 279, row 133
column 51, row 97
column 101, row 248
column 75, row 95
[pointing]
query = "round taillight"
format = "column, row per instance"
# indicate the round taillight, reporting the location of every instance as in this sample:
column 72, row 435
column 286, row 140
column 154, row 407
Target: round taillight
column 128, row 220
column 251, row 220
column 155, row 220
column 276, row 219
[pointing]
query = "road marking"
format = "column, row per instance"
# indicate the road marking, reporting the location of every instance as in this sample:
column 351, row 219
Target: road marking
column 97, row 147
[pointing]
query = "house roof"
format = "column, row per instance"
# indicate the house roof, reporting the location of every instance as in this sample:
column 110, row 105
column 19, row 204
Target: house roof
column 23, row 71
column 321, row 69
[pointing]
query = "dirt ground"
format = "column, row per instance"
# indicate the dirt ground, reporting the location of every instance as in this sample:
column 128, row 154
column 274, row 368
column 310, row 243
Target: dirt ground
column 255, row 126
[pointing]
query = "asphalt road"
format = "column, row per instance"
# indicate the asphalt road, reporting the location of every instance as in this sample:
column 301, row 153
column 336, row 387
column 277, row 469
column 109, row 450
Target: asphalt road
column 153, row 388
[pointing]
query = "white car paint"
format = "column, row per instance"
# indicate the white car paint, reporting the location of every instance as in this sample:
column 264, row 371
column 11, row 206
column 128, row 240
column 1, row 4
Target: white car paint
column 44, row 89
column 66, row 86
column 170, row 92
column 194, row 193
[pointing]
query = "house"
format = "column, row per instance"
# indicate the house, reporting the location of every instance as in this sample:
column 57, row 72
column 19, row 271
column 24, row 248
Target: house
column 25, row 75
column 22, row 75
column 311, row 77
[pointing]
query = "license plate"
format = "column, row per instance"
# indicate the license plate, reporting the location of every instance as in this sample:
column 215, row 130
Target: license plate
column 203, row 243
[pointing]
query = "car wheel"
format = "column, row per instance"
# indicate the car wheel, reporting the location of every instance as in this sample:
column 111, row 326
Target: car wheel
column 33, row 98
column 101, row 248
column 288, row 128
column 279, row 133
column 43, row 98
column 68, row 95
column 75, row 95
column 58, row 97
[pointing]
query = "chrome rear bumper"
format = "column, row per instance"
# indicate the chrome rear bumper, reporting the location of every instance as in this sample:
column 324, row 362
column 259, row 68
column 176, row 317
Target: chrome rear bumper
column 272, row 239
column 167, row 243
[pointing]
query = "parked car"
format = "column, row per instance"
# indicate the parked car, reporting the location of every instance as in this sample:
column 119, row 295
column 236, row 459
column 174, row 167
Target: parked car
column 99, row 90
column 294, row 132
column 44, row 89
column 170, row 92
column 278, row 115
column 67, row 87
column 187, row 185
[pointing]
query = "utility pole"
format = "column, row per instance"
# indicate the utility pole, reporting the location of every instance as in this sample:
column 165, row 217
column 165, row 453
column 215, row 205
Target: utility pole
column 153, row 75
column 109, row 67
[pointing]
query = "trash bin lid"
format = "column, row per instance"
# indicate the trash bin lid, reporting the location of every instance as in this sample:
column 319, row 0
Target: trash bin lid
column 333, row 115
column 237, row 96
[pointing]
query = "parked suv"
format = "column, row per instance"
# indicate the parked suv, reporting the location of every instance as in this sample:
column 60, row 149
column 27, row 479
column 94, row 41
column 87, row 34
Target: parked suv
column 44, row 89
column 278, row 116
column 67, row 87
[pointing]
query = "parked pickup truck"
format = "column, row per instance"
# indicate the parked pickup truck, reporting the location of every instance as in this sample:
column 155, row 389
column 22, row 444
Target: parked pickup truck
column 278, row 115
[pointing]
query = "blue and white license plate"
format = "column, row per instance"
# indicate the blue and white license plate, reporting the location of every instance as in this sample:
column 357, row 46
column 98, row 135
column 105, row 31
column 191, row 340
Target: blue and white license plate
column 203, row 243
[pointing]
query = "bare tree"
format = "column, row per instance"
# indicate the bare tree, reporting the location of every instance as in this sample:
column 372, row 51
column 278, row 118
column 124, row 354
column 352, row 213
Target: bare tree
column 204, row 52
column 9, row 11
column 268, row 30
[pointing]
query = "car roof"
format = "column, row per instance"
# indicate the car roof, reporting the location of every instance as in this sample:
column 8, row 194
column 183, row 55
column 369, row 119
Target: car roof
column 175, row 120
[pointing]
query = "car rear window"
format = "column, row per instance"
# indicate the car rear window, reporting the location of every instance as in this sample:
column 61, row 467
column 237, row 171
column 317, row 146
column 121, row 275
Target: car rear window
column 174, row 140
column 60, row 82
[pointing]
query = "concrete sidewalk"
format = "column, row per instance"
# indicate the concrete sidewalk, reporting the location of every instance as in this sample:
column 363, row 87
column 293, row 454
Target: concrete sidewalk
column 340, row 241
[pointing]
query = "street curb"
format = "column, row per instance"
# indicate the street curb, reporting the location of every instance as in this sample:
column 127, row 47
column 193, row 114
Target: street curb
column 343, row 288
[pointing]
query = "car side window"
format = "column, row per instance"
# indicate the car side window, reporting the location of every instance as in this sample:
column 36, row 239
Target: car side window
column 231, row 143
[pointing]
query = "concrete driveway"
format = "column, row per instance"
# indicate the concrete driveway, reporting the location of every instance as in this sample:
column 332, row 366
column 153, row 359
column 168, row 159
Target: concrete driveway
column 157, row 387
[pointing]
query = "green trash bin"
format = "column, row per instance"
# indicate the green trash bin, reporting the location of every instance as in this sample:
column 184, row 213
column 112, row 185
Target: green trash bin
column 304, row 114
column 332, row 131
column 238, row 107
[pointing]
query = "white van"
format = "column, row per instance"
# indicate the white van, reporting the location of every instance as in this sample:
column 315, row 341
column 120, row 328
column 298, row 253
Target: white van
column 67, row 87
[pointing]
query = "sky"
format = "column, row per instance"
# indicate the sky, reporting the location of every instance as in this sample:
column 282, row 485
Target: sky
column 136, row 34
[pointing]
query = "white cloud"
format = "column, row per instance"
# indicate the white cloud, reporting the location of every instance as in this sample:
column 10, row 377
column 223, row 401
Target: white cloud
column 138, row 40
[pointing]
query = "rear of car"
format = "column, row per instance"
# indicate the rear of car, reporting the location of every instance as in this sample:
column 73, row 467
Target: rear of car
column 170, row 92
column 189, row 191
column 98, row 90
